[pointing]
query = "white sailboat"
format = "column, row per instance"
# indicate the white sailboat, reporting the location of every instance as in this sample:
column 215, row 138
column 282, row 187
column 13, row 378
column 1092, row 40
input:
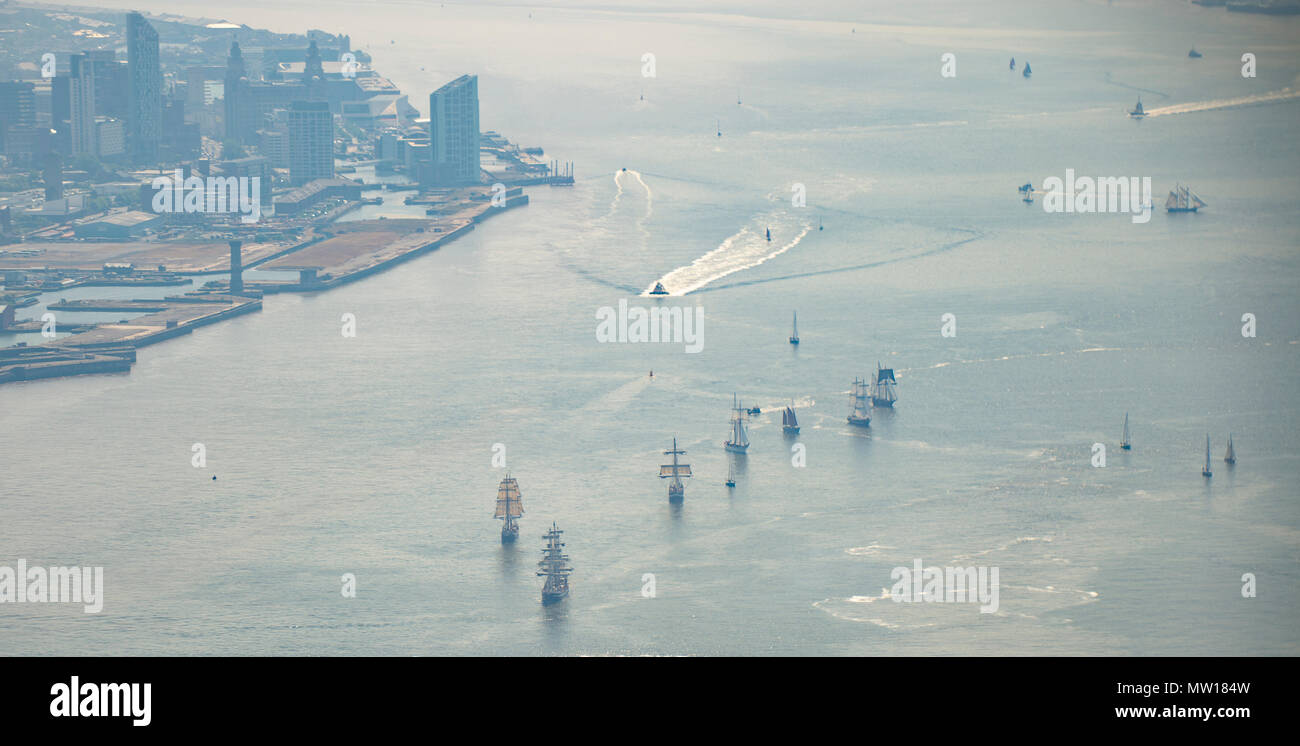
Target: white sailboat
column 794, row 330
column 739, row 441
column 1230, row 457
column 1205, row 472
column 1125, row 443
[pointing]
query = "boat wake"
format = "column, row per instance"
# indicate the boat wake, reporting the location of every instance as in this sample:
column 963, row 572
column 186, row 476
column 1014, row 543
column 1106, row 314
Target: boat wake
column 1286, row 94
column 745, row 249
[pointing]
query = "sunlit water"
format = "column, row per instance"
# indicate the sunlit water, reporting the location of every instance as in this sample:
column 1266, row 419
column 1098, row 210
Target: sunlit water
column 373, row 455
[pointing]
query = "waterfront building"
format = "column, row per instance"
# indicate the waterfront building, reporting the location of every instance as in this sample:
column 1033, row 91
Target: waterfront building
column 311, row 142
column 454, row 133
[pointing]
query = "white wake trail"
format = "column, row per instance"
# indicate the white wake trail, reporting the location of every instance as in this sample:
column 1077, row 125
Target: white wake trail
column 742, row 250
column 1285, row 94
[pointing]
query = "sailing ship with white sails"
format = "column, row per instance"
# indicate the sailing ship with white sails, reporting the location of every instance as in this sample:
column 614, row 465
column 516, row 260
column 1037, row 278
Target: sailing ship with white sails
column 885, row 393
column 554, row 567
column 860, row 401
column 739, row 441
column 1125, row 443
column 1183, row 199
column 675, row 471
column 794, row 329
column 509, row 508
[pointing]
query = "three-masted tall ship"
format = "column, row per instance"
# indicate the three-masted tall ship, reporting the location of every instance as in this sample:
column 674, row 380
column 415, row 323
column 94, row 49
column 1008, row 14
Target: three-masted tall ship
column 860, row 401
column 555, row 567
column 1183, row 199
column 789, row 423
column 739, row 441
column 509, row 507
column 675, row 471
column 885, row 393
column 1126, row 443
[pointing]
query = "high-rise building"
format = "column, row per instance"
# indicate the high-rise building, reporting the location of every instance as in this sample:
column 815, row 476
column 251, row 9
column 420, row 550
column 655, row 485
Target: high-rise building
column 144, row 113
column 311, row 142
column 236, row 79
column 454, row 132
column 17, row 109
column 81, row 101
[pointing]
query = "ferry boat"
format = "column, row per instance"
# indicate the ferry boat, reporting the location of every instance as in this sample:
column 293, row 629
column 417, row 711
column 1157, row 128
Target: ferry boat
column 659, row 289
column 1125, row 443
column 509, row 507
column 555, row 568
column 739, row 441
column 860, row 400
column 1230, row 457
column 675, row 471
column 1205, row 471
column 1139, row 112
column 794, row 329
column 1183, row 199
column 789, row 423
column 885, row 393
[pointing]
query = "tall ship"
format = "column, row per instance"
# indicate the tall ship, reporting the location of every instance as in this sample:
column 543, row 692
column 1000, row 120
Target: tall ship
column 509, row 507
column 1139, row 112
column 1205, row 471
column 1230, row 457
column 886, row 392
column 860, row 401
column 1126, row 443
column 554, row 567
column 675, row 471
column 789, row 423
column 794, row 329
column 1183, row 199
column 739, row 441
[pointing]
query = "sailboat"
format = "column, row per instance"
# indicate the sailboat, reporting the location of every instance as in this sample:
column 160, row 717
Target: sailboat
column 885, row 394
column 739, row 442
column 794, row 329
column 860, row 400
column 769, row 234
column 819, row 222
column 1205, row 472
column 659, row 289
column 555, row 567
column 1230, row 457
column 509, row 507
column 719, row 128
column 1139, row 112
column 1125, row 443
column 731, row 476
column 789, row 423
column 1194, row 54
column 1027, row 71
column 1013, row 63
column 1183, row 199
column 675, row 471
